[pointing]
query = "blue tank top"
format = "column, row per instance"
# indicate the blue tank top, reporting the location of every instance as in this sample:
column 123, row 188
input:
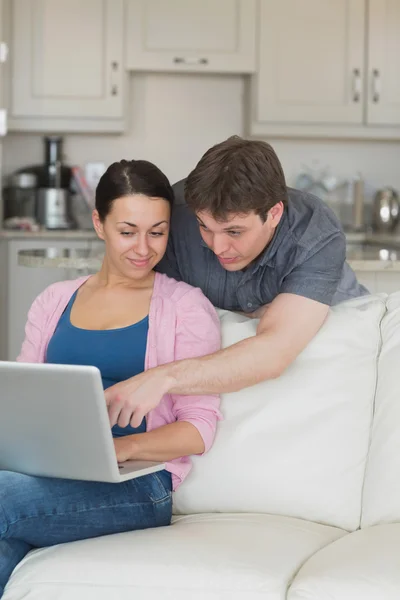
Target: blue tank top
column 118, row 353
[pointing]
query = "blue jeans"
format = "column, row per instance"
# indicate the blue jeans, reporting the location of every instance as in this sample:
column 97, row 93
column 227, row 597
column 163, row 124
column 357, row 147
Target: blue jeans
column 40, row 511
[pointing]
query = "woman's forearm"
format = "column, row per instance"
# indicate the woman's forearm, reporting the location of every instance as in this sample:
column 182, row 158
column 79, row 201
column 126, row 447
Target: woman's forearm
column 162, row 444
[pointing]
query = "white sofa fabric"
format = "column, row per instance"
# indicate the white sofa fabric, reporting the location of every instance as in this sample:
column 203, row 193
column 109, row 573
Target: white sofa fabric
column 274, row 510
column 382, row 479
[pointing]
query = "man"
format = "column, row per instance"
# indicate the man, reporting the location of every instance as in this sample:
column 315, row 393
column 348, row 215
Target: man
column 254, row 246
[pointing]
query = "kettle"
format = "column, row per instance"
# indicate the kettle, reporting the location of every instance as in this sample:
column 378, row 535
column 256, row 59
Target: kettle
column 385, row 210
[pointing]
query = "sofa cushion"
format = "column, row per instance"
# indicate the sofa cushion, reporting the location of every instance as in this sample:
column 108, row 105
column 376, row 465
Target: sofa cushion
column 363, row 565
column 224, row 557
column 296, row 445
column 381, row 501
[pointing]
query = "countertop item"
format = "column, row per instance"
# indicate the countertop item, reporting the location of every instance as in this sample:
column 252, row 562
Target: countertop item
column 358, row 203
column 385, row 210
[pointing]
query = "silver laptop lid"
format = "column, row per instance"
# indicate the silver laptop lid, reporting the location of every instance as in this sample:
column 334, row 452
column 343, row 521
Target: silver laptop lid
column 54, row 422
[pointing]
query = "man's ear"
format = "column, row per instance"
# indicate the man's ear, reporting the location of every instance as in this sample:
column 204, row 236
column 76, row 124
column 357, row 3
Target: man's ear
column 97, row 224
column 275, row 214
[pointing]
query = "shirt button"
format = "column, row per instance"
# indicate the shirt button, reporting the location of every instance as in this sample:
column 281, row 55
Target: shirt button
column 249, row 305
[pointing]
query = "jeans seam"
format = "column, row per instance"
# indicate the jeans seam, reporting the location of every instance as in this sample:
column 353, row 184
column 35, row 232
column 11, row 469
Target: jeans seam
column 7, row 524
column 70, row 512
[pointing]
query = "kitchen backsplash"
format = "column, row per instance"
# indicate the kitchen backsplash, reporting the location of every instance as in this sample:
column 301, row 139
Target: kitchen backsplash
column 175, row 118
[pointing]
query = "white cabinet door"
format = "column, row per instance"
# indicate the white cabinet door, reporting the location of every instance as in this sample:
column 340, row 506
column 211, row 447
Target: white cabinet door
column 387, row 281
column 383, row 62
column 3, row 300
column 311, row 62
column 3, row 59
column 67, row 59
column 96, row 247
column 191, row 35
column 25, row 283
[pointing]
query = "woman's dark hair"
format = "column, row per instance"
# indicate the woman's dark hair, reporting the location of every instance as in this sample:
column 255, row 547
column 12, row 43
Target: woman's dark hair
column 128, row 177
column 236, row 176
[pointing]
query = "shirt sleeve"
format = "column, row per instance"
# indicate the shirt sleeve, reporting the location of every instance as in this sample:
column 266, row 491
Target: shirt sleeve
column 319, row 275
column 30, row 351
column 198, row 333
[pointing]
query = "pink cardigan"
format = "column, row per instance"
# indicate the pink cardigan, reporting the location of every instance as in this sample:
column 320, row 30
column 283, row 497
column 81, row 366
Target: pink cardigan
column 182, row 324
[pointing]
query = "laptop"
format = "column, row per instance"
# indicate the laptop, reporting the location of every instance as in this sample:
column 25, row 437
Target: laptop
column 54, row 423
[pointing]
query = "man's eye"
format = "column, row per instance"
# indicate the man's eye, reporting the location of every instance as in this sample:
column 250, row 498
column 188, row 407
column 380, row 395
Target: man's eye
column 235, row 233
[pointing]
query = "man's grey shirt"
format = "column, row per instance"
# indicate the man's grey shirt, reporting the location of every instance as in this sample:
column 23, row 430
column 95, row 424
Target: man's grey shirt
column 306, row 257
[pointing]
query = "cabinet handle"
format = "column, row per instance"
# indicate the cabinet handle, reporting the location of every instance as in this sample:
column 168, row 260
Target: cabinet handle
column 114, row 70
column 356, row 85
column 376, row 86
column 3, row 52
column 182, row 60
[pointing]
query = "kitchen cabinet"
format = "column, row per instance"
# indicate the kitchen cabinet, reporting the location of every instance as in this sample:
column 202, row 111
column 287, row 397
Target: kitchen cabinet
column 3, row 60
column 96, row 247
column 387, row 281
column 327, row 69
column 383, row 66
column 67, row 65
column 3, row 300
column 191, row 35
column 23, row 284
column 310, row 61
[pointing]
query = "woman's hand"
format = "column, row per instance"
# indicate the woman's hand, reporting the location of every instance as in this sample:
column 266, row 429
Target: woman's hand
column 129, row 401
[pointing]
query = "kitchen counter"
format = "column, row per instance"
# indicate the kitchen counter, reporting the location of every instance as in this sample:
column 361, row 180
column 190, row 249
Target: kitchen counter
column 80, row 260
column 44, row 234
column 373, row 251
column 365, row 251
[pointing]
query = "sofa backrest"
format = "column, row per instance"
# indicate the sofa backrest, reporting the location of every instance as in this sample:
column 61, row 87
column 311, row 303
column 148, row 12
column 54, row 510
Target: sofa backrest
column 297, row 445
column 381, row 499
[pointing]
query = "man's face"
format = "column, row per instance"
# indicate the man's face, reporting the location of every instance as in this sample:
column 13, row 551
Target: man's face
column 240, row 239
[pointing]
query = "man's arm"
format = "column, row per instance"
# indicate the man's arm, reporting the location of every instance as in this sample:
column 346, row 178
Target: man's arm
column 288, row 325
column 286, row 328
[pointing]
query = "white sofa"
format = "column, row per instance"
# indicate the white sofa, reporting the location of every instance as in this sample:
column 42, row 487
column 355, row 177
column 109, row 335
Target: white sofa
column 299, row 498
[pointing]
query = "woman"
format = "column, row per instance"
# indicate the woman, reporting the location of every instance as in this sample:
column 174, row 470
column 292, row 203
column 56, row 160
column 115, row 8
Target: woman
column 124, row 319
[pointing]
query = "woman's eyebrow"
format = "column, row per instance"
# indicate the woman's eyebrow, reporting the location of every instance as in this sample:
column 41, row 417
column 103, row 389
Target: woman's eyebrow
column 134, row 225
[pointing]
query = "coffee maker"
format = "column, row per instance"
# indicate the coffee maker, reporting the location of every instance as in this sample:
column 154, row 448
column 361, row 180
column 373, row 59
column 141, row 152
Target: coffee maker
column 53, row 194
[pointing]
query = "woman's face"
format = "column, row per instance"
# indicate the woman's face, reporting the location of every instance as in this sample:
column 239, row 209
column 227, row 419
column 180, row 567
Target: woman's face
column 135, row 233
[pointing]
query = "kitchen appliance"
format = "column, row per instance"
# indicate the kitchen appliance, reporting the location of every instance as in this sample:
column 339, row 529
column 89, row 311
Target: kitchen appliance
column 54, row 205
column 20, row 196
column 54, row 202
column 358, row 203
column 53, row 208
column 385, row 210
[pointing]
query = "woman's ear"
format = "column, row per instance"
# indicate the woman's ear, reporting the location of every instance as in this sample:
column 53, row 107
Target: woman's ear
column 97, row 224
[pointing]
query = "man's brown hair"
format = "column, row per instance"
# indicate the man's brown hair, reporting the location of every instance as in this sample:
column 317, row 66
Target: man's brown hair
column 236, row 176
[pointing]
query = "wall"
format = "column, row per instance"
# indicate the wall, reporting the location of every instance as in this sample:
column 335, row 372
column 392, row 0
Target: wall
column 175, row 118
